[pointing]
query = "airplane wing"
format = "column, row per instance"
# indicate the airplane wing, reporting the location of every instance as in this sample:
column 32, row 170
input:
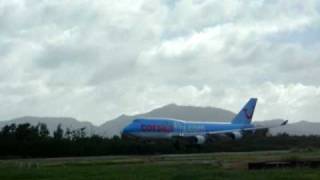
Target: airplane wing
column 248, row 129
column 267, row 127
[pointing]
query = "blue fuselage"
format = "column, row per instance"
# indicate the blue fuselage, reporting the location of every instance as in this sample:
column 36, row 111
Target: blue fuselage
column 167, row 128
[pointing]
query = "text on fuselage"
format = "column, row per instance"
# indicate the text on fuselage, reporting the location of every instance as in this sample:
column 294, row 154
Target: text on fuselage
column 156, row 128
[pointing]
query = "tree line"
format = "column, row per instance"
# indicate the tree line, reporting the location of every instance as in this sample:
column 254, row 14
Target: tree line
column 28, row 141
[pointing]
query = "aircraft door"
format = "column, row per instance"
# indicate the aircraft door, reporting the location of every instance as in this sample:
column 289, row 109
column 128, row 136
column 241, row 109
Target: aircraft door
column 180, row 128
column 182, row 125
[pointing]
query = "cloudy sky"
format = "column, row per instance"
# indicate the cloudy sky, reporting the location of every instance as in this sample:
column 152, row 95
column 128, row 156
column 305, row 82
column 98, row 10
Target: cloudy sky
column 95, row 60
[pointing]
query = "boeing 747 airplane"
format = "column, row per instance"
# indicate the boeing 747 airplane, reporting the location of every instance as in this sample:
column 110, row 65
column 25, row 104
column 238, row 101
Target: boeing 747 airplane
column 199, row 132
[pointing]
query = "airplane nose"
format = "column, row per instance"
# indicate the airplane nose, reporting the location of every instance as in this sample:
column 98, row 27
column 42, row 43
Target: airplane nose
column 125, row 131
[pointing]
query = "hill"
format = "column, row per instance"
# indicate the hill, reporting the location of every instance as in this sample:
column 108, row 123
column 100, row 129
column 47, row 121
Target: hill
column 189, row 113
column 53, row 122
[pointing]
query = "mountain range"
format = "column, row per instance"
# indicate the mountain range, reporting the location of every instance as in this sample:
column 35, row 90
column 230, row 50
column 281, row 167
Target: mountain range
column 189, row 113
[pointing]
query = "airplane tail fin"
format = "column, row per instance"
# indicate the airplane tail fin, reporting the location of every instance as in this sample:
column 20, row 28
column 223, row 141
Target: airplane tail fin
column 246, row 113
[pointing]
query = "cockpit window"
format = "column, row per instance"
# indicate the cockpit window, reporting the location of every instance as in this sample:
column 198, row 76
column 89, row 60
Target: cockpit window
column 136, row 120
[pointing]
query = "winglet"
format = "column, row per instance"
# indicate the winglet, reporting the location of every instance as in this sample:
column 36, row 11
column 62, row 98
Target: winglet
column 284, row 123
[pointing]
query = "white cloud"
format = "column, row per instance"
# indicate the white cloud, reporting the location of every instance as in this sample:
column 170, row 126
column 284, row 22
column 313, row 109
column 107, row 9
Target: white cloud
column 94, row 60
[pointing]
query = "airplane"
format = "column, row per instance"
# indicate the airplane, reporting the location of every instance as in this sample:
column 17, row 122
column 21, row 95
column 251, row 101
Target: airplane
column 197, row 132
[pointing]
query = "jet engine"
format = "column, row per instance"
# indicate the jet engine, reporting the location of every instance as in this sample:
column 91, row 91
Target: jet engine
column 200, row 139
column 236, row 135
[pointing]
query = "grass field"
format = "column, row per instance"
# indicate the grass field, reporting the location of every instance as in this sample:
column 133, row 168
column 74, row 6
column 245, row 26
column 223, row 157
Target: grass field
column 191, row 166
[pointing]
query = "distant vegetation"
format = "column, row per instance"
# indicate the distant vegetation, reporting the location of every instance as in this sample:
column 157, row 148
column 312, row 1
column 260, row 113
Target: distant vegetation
column 25, row 140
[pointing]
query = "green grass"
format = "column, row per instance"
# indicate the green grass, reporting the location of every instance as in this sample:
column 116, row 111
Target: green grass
column 195, row 166
column 154, row 171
